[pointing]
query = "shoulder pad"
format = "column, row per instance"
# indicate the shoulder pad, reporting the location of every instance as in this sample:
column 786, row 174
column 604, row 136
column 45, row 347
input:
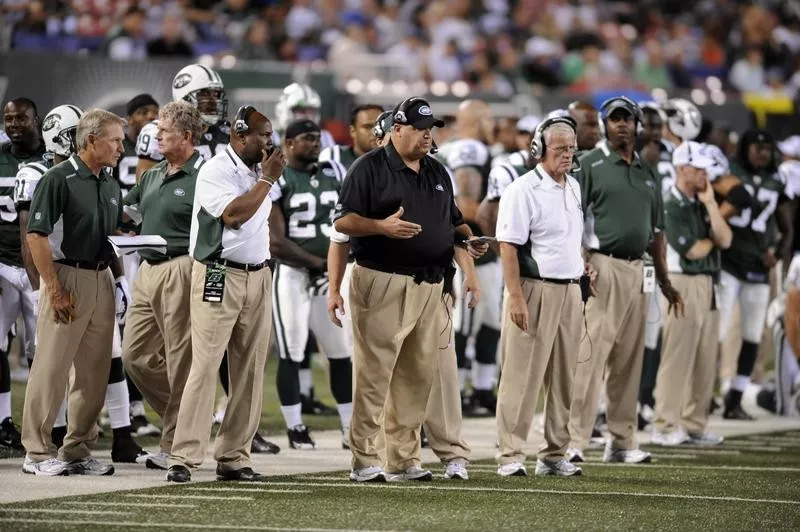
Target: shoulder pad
column 468, row 152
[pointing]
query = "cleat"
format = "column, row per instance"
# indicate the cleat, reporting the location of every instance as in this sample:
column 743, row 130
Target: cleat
column 141, row 427
column 10, row 436
column 312, row 407
column 300, row 439
column 261, row 446
column 125, row 450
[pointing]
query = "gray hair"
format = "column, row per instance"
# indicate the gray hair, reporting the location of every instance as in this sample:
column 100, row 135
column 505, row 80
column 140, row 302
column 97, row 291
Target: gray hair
column 183, row 116
column 94, row 122
column 557, row 129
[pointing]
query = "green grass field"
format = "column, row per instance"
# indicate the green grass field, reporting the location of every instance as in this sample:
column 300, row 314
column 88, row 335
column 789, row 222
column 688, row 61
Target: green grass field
column 751, row 483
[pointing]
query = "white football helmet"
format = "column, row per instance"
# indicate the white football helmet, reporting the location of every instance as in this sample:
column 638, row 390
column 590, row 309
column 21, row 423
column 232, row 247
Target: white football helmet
column 655, row 107
column 192, row 79
column 297, row 96
column 59, row 129
column 683, row 118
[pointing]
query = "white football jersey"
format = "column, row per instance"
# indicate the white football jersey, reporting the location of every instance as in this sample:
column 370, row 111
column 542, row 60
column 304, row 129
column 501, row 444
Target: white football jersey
column 25, row 183
column 789, row 172
column 146, row 143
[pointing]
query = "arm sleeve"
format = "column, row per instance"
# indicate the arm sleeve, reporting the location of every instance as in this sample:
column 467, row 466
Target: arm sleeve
column 513, row 218
column 47, row 204
column 355, row 194
column 679, row 235
column 214, row 194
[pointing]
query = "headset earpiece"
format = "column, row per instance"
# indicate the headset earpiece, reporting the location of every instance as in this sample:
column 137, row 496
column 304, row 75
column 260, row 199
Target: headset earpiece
column 240, row 122
column 538, row 146
column 400, row 114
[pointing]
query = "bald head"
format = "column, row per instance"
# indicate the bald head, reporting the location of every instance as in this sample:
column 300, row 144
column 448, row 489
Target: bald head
column 588, row 122
column 475, row 120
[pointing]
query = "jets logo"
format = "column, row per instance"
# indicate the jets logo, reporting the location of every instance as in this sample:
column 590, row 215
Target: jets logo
column 314, row 183
column 181, row 81
column 214, row 277
column 114, row 202
column 51, row 122
column 425, row 111
column 328, row 172
column 179, row 192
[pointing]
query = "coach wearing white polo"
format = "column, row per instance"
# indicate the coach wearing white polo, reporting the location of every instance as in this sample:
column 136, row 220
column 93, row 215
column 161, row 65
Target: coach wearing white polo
column 539, row 227
column 230, row 299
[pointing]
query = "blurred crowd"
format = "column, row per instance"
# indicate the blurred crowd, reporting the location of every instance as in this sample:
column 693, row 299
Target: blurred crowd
column 489, row 44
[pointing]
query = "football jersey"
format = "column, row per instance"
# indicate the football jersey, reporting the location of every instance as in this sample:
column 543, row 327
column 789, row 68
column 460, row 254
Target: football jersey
column 125, row 171
column 212, row 142
column 10, row 251
column 754, row 229
column 665, row 170
column 344, row 155
column 307, row 201
column 500, row 177
column 27, row 179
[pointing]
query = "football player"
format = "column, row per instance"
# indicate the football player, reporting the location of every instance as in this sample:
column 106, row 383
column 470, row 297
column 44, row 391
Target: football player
column 21, row 123
column 362, row 122
column 505, row 136
column 203, row 88
column 747, row 263
column 470, row 160
column 296, row 102
column 300, row 227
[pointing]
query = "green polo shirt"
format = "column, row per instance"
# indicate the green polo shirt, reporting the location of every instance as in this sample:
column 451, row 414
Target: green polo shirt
column 622, row 203
column 687, row 222
column 163, row 202
column 10, row 246
column 77, row 211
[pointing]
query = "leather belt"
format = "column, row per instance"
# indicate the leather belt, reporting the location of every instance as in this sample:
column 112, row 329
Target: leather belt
column 85, row 264
column 613, row 256
column 155, row 262
column 556, row 281
column 238, row 265
column 427, row 274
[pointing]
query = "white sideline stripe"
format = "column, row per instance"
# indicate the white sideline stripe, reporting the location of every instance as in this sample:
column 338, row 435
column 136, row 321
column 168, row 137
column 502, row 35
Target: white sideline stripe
column 133, row 504
column 198, row 497
column 65, row 511
column 193, row 526
column 408, row 486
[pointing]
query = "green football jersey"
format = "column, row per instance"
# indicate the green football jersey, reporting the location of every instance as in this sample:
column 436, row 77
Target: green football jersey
column 125, row 171
column 754, row 229
column 307, row 200
column 10, row 251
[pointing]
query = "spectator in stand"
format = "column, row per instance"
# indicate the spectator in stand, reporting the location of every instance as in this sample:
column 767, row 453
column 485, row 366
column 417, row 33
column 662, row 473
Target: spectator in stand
column 484, row 78
column 126, row 41
column 444, row 63
column 34, row 20
column 255, row 44
column 748, row 74
column 171, row 43
column 409, row 57
column 651, row 71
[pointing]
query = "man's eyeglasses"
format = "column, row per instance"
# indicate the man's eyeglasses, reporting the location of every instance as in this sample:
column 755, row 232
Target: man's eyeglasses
column 563, row 150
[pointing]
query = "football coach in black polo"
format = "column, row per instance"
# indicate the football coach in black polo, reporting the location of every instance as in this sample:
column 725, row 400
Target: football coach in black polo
column 397, row 206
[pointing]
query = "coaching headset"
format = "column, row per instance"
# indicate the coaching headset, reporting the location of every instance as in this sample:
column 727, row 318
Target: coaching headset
column 625, row 103
column 401, row 118
column 240, row 122
column 538, row 146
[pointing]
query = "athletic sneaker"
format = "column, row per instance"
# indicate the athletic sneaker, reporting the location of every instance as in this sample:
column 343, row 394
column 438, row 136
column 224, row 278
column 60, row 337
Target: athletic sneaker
column 52, row 467
column 456, row 471
column 299, row 438
column 261, row 446
column 559, row 468
column 575, row 455
column 514, row 469
column 368, row 474
column 412, row 473
column 669, row 439
column 90, row 466
column 706, row 438
column 157, row 461
column 626, row 456
column 10, row 436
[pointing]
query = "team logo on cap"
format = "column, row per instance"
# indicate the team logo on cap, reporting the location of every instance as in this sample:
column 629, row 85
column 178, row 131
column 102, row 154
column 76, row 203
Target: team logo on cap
column 328, row 172
column 425, row 110
column 51, row 121
column 181, row 81
column 179, row 192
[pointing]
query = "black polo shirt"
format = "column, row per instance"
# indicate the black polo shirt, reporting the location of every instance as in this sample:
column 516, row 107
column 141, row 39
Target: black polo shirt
column 378, row 184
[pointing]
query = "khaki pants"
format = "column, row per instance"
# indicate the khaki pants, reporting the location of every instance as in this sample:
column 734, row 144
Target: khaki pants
column 397, row 326
column 79, row 352
column 157, row 347
column 685, row 379
column 241, row 324
column 615, row 346
column 443, row 415
column 545, row 353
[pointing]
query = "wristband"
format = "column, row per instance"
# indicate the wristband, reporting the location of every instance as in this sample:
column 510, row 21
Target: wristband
column 265, row 180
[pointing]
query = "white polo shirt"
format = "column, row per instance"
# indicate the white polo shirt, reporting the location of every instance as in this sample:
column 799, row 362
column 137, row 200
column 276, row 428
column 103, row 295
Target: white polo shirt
column 544, row 218
column 220, row 181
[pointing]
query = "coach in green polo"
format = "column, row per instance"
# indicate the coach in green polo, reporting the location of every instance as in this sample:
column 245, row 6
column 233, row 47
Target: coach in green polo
column 157, row 348
column 74, row 209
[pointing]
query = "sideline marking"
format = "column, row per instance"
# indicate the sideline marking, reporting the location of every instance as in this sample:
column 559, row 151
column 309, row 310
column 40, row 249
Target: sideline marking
column 194, row 526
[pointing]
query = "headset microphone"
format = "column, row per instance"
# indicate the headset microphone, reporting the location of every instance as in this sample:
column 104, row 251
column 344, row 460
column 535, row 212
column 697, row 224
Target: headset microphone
column 434, row 147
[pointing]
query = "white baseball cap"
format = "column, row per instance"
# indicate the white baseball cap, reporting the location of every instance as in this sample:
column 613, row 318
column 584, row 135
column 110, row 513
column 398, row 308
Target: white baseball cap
column 691, row 153
column 791, row 146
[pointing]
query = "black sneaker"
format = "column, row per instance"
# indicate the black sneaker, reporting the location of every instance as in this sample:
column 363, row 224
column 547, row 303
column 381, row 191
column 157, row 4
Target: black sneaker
column 141, row 427
column 299, row 438
column 312, row 407
column 10, row 436
column 733, row 407
column 262, row 446
column 57, row 435
column 125, row 450
column 485, row 401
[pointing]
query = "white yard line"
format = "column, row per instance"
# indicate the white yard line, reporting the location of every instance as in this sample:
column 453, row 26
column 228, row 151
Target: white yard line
column 64, row 511
column 194, row 526
column 417, row 486
column 132, row 504
column 198, row 497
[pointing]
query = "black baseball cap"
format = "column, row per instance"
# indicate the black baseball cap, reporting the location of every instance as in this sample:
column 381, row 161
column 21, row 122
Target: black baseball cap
column 418, row 114
column 300, row 127
column 139, row 101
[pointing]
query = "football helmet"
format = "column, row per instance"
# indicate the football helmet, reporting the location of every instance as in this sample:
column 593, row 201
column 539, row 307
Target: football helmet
column 59, row 130
column 683, row 118
column 297, row 101
column 190, row 81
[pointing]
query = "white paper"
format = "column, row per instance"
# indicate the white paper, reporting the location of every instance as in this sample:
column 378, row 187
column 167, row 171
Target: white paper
column 126, row 245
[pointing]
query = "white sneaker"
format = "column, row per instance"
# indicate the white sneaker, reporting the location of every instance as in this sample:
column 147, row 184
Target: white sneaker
column 626, row 456
column 412, row 473
column 560, row 468
column 456, row 471
column 706, row 438
column 368, row 474
column 52, row 467
column 90, row 466
column 575, row 455
column 514, row 469
column 157, row 461
column 669, row 439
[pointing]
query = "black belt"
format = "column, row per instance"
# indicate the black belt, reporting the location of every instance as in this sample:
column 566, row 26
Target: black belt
column 155, row 262
column 614, row 256
column 238, row 265
column 556, row 281
column 427, row 274
column 85, row 264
